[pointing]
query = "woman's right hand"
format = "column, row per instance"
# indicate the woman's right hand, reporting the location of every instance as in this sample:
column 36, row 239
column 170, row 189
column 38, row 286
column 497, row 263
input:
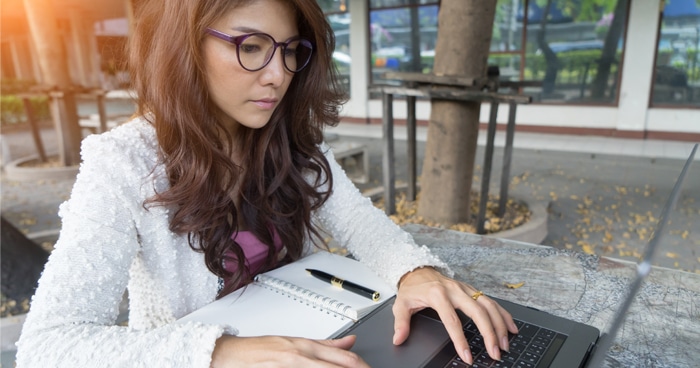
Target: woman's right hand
column 278, row 351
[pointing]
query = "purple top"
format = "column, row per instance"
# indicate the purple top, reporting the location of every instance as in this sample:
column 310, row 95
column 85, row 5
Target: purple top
column 254, row 250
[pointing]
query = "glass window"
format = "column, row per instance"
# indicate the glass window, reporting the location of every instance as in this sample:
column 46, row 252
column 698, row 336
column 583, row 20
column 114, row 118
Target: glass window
column 507, row 33
column 573, row 49
column 402, row 36
column 677, row 69
column 375, row 4
column 339, row 18
column 333, row 6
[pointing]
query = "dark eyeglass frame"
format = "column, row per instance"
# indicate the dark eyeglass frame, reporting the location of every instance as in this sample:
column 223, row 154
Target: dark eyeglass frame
column 238, row 40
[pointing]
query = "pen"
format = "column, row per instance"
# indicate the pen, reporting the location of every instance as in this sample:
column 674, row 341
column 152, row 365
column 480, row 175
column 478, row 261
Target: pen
column 344, row 284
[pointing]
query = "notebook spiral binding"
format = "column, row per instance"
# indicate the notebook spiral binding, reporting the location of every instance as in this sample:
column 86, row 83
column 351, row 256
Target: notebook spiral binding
column 330, row 305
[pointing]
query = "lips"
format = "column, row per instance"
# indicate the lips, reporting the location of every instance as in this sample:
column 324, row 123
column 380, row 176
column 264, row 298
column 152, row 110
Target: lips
column 266, row 103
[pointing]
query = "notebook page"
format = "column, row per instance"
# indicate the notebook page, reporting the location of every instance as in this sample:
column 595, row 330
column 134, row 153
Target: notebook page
column 339, row 266
column 257, row 311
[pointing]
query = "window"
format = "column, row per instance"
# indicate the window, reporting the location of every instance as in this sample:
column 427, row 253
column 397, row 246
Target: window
column 677, row 69
column 571, row 50
column 339, row 18
column 402, row 36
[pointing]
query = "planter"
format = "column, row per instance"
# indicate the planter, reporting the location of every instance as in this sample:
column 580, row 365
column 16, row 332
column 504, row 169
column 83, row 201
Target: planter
column 17, row 172
column 11, row 327
column 534, row 231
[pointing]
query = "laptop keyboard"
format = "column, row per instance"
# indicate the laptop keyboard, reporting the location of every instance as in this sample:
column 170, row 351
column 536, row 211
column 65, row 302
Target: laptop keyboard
column 532, row 347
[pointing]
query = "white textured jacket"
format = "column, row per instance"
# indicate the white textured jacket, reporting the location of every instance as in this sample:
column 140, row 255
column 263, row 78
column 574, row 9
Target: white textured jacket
column 110, row 242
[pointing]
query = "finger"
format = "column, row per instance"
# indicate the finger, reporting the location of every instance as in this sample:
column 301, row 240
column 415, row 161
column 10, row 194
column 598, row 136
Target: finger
column 481, row 317
column 344, row 343
column 497, row 321
column 508, row 318
column 334, row 352
column 446, row 311
column 402, row 323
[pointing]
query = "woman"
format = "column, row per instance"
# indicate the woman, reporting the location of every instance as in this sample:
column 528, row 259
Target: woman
column 223, row 175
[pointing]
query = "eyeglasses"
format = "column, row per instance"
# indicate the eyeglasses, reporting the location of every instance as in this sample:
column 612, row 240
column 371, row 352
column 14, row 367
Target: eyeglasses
column 255, row 50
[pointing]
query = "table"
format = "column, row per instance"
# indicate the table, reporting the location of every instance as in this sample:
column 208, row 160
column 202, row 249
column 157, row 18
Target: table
column 455, row 88
column 662, row 328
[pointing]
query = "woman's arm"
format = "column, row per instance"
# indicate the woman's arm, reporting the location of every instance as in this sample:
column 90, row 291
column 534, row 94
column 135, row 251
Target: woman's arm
column 423, row 280
column 72, row 317
column 368, row 233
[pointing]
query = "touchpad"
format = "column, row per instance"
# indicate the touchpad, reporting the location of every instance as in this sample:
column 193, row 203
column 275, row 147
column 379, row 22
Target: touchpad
column 375, row 335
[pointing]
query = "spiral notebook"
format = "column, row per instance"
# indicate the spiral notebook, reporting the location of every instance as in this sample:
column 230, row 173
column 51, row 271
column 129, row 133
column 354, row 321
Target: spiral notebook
column 288, row 301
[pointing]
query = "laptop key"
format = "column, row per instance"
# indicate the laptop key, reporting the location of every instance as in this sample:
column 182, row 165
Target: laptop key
column 546, row 333
column 471, row 326
column 510, row 357
column 530, row 357
column 517, row 348
column 518, row 323
column 484, row 359
column 456, row 364
column 541, row 340
column 528, row 330
column 536, row 349
column 522, row 364
column 502, row 364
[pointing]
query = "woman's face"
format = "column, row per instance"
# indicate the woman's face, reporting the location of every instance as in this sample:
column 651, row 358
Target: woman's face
column 249, row 98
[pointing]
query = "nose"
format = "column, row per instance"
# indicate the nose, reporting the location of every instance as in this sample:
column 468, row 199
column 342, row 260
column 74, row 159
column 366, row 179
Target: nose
column 274, row 72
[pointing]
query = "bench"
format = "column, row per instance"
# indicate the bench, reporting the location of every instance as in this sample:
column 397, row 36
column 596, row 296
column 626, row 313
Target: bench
column 353, row 157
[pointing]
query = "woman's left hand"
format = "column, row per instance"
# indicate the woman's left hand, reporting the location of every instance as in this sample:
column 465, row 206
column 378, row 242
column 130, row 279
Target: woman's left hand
column 426, row 287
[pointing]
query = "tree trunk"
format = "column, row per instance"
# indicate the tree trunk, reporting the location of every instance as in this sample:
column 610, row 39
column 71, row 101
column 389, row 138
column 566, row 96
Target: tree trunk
column 462, row 49
column 607, row 57
column 22, row 262
column 53, row 62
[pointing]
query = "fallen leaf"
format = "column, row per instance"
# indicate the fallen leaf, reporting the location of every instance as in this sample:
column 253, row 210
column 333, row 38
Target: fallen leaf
column 671, row 255
column 514, row 286
column 608, row 237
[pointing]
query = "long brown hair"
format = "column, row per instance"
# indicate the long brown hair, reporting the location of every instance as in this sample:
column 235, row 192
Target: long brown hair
column 277, row 195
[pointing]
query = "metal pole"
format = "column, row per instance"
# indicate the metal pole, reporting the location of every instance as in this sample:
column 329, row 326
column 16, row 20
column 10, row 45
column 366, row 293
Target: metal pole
column 411, row 130
column 33, row 124
column 101, row 111
column 486, row 175
column 507, row 155
column 388, row 157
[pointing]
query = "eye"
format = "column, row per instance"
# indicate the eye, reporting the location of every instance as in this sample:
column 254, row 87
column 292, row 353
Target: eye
column 290, row 51
column 249, row 48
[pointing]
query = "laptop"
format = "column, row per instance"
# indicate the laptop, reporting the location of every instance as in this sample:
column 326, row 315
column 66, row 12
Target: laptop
column 544, row 340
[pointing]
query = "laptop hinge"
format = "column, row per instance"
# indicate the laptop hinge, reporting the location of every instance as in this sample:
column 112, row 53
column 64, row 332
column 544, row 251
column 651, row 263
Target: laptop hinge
column 592, row 347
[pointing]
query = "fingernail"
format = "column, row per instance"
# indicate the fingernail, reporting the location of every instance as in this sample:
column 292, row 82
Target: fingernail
column 496, row 352
column 504, row 343
column 468, row 357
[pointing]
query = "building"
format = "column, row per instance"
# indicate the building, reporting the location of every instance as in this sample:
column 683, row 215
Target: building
column 625, row 68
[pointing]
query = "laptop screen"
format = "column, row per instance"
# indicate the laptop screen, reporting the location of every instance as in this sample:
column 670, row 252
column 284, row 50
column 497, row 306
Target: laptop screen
column 663, row 229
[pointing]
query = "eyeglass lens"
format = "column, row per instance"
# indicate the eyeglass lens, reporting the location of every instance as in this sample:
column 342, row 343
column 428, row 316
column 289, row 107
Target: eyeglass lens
column 255, row 51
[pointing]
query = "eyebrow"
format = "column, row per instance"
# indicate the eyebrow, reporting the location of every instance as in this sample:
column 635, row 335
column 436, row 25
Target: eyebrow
column 245, row 29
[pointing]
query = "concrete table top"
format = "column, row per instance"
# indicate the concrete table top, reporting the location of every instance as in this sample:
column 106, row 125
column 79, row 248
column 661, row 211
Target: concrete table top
column 662, row 328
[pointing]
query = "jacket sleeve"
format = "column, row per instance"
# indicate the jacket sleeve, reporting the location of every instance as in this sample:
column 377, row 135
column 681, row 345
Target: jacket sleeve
column 72, row 320
column 369, row 235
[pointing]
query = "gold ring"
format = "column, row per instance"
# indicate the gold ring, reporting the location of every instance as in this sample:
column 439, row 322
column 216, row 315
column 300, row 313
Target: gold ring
column 477, row 295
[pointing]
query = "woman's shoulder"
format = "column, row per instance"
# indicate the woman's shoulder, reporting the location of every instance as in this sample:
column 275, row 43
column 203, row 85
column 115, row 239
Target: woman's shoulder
column 130, row 142
column 135, row 135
